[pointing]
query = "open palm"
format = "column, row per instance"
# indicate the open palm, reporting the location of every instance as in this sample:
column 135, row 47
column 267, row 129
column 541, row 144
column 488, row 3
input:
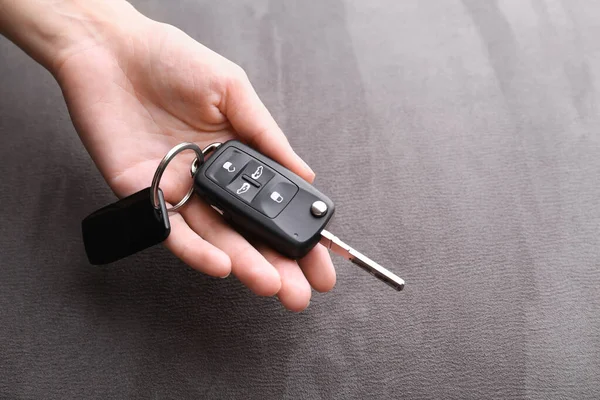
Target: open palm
column 133, row 98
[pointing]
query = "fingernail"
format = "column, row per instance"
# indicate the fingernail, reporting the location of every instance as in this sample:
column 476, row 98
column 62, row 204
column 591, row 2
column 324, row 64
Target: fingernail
column 304, row 163
column 226, row 276
column 308, row 169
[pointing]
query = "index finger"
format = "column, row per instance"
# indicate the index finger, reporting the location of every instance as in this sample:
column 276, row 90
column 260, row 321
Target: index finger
column 255, row 125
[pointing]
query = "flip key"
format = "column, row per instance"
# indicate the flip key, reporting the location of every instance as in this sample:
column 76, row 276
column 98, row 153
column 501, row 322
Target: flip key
column 265, row 201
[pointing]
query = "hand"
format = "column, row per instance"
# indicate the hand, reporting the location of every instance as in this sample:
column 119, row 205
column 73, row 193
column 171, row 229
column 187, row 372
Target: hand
column 135, row 92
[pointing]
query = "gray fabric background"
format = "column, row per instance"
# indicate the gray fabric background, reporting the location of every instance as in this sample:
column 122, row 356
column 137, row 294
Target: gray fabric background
column 460, row 142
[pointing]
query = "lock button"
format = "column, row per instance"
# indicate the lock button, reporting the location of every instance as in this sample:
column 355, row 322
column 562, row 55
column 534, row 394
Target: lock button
column 275, row 196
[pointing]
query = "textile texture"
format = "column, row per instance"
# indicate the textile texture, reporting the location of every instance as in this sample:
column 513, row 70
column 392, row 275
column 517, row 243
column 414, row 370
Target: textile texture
column 460, row 143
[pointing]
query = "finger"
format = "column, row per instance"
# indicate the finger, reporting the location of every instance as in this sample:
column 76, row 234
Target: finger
column 295, row 291
column 255, row 125
column 184, row 243
column 247, row 264
column 319, row 269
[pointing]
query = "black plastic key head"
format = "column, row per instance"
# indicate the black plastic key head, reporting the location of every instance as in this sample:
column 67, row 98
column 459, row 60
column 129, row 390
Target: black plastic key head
column 263, row 200
column 128, row 226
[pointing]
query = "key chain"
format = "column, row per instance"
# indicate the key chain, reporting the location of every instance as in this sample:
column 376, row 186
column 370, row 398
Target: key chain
column 258, row 197
column 138, row 221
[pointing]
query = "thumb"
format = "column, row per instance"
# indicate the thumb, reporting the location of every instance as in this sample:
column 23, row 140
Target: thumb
column 255, row 126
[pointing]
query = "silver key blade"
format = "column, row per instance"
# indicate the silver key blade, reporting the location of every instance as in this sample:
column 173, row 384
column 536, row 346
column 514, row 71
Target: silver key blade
column 334, row 244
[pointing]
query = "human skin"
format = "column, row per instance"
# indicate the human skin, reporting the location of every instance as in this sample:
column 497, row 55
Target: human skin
column 134, row 88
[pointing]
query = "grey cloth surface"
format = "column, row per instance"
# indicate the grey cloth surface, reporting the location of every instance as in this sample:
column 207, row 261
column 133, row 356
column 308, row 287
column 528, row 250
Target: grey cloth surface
column 460, row 142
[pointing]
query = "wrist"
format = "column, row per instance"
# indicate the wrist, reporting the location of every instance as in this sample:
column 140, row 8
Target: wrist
column 53, row 31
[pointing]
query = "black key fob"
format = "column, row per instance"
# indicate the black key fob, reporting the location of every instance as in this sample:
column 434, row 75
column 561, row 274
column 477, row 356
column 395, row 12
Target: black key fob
column 128, row 226
column 263, row 200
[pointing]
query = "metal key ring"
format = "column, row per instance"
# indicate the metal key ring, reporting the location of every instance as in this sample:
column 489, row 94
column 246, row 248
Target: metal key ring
column 163, row 166
column 207, row 149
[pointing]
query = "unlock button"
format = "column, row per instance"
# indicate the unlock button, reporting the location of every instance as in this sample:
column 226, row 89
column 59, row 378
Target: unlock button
column 275, row 196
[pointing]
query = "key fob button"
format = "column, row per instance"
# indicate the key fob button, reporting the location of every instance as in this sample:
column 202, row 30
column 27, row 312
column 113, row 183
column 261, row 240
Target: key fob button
column 228, row 166
column 242, row 189
column 259, row 172
column 275, row 197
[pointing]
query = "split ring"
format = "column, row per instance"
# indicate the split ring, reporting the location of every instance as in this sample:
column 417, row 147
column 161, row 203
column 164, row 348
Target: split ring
column 163, row 166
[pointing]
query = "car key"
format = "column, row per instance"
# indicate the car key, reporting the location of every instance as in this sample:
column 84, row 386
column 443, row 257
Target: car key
column 265, row 201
